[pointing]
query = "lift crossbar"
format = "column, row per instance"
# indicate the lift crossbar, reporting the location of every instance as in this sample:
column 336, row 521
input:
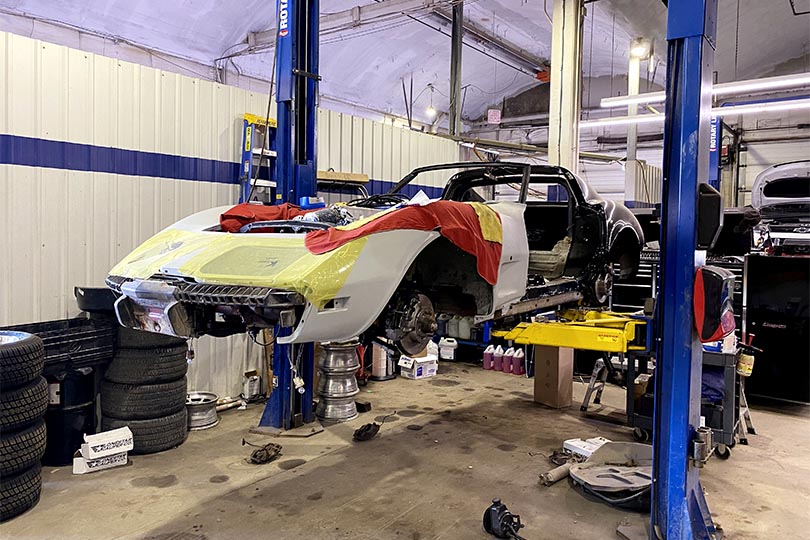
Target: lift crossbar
column 603, row 331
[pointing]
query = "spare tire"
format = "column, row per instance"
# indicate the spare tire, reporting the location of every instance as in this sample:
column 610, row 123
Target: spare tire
column 22, row 357
column 155, row 434
column 20, row 450
column 141, row 339
column 23, row 406
column 148, row 366
column 20, row 492
column 131, row 402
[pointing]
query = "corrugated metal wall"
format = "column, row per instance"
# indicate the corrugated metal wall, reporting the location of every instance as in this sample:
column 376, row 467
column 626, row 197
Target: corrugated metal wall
column 608, row 178
column 68, row 214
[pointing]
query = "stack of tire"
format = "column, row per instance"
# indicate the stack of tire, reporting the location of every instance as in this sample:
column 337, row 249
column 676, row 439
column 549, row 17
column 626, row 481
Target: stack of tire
column 23, row 402
column 144, row 388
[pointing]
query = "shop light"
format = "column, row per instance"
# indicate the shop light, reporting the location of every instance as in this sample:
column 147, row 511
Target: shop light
column 749, row 108
column 723, row 89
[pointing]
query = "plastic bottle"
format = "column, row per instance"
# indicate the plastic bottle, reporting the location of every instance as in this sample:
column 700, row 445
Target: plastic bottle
column 488, row 354
column 464, row 327
column 497, row 358
column 518, row 367
column 442, row 321
column 452, row 326
column 506, row 366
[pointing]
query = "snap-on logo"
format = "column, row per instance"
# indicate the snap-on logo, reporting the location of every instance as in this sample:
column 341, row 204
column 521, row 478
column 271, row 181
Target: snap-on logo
column 282, row 18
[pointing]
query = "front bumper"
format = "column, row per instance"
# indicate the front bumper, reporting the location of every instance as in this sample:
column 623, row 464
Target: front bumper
column 182, row 308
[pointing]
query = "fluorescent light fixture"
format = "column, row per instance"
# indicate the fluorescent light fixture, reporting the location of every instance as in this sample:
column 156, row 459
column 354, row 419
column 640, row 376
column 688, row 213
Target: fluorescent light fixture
column 773, row 106
column 756, row 85
column 622, row 121
column 638, row 99
column 749, row 108
column 723, row 89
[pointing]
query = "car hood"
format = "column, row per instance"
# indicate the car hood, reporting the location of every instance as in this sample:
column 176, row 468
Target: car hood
column 782, row 185
column 261, row 260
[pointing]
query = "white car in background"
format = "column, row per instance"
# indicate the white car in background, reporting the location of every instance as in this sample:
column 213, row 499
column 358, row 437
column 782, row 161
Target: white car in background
column 782, row 195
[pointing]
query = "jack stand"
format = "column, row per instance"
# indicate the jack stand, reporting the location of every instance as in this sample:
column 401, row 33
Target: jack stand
column 289, row 411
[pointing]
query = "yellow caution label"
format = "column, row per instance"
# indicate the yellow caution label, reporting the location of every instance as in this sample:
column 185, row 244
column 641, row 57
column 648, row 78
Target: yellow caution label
column 248, row 137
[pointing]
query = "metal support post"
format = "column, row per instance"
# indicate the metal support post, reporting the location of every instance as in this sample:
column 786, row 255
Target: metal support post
column 566, row 73
column 455, row 68
column 631, row 164
column 296, row 97
column 679, row 509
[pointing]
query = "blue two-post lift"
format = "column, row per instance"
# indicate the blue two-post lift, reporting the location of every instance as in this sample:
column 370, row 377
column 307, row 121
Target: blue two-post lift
column 290, row 403
column 679, row 510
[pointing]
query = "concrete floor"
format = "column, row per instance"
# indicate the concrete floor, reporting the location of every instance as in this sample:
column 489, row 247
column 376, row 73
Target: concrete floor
column 457, row 441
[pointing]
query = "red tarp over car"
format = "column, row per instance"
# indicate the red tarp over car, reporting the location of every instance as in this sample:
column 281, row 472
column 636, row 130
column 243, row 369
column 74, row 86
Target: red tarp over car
column 458, row 222
column 243, row 214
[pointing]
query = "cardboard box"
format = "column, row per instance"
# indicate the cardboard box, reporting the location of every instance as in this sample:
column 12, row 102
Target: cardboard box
column 84, row 466
column 553, row 376
column 419, row 368
column 107, row 443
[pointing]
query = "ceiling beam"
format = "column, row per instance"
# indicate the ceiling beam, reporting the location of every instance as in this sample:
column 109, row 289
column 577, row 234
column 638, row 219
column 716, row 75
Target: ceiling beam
column 475, row 32
column 384, row 11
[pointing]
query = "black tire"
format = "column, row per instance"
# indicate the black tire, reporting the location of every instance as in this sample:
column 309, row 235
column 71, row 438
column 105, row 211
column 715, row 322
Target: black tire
column 139, row 402
column 147, row 366
column 138, row 339
column 155, row 434
column 20, row 492
column 22, row 357
column 20, row 450
column 23, row 406
column 722, row 452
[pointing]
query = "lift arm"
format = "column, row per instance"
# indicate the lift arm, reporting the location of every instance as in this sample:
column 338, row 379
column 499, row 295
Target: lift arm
column 589, row 330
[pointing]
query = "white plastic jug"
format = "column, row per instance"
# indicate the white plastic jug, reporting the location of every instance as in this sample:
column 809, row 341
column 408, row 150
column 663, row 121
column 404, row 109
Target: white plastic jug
column 465, row 327
column 452, row 326
column 447, row 348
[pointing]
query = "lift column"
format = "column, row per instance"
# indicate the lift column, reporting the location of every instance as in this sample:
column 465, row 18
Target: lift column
column 679, row 510
column 296, row 140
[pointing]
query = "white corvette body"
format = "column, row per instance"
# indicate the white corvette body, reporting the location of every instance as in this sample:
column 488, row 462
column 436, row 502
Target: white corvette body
column 192, row 278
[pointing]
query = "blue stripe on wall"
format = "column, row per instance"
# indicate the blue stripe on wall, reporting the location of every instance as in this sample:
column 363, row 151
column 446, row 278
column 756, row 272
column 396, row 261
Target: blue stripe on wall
column 33, row 152
column 375, row 187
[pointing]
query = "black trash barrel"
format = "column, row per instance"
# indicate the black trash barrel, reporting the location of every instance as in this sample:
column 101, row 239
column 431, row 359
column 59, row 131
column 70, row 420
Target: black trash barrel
column 71, row 414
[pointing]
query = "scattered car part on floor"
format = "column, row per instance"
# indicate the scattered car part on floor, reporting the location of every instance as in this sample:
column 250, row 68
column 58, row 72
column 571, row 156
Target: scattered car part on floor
column 618, row 473
column 366, row 432
column 263, row 453
column 500, row 522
